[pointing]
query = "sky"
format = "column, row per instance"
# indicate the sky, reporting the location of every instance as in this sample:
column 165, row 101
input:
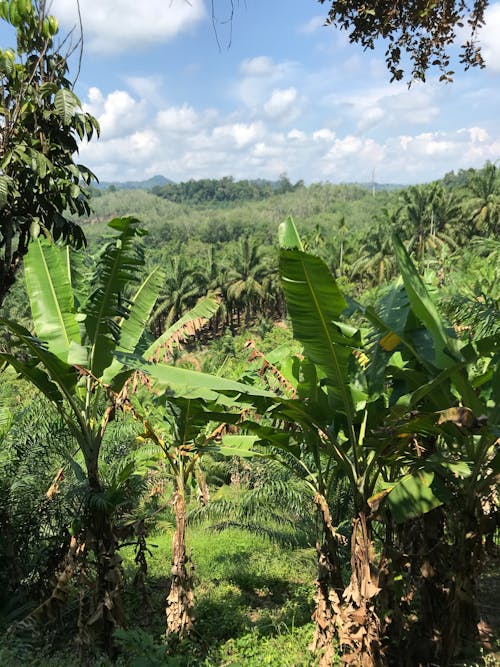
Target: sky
column 273, row 91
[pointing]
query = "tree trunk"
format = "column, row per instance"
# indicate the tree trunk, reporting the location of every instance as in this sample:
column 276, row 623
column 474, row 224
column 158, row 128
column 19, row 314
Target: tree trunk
column 329, row 586
column 179, row 609
column 358, row 624
column 430, row 572
column 105, row 612
column 462, row 627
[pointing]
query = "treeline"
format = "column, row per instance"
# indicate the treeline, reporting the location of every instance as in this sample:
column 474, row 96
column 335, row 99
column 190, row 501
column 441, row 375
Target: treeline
column 223, row 190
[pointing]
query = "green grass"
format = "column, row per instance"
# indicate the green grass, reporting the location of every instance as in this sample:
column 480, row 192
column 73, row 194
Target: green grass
column 253, row 603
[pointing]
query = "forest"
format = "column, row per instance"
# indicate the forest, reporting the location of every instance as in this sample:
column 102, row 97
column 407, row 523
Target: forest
column 242, row 422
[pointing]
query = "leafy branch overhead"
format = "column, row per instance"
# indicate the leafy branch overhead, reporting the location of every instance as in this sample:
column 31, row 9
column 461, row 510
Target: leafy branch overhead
column 422, row 31
column 41, row 122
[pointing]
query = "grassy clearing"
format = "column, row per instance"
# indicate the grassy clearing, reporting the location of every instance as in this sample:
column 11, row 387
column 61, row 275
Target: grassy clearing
column 253, row 601
column 253, row 607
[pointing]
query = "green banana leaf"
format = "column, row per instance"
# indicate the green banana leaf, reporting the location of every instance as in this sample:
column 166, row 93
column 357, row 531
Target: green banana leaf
column 314, row 304
column 414, row 495
column 194, row 384
column 238, row 445
column 36, row 376
column 48, row 283
column 288, row 236
column 133, row 326
column 445, row 347
column 120, row 264
column 60, row 373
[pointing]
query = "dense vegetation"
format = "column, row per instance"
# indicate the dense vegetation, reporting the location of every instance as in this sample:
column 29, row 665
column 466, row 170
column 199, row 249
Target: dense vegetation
column 310, row 416
column 368, row 442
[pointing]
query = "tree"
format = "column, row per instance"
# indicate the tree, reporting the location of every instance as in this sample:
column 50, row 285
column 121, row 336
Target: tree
column 183, row 281
column 423, row 31
column 41, row 121
column 485, row 206
column 245, row 277
column 71, row 362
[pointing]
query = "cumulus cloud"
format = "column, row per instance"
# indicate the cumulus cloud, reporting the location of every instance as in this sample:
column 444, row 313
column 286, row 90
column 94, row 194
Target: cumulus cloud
column 258, row 66
column 386, row 106
column 238, row 135
column 117, row 113
column 490, row 37
column 119, row 25
column 260, row 76
column 184, row 141
column 178, row 119
column 281, row 102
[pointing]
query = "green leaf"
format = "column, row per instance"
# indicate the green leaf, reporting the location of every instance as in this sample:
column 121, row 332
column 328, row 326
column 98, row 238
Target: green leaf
column 5, row 185
column 288, row 236
column 48, row 284
column 65, row 103
column 445, row 349
column 132, row 328
column 204, row 309
column 193, row 384
column 238, row 445
column 119, row 265
column 412, row 496
column 36, row 376
column 60, row 373
column 314, row 304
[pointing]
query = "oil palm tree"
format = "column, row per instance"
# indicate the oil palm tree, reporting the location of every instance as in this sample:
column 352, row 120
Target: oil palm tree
column 183, row 286
column 485, row 205
column 247, row 271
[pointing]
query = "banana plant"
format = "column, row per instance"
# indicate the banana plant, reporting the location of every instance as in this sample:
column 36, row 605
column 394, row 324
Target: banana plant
column 180, row 428
column 448, row 396
column 70, row 360
column 335, row 411
column 180, row 406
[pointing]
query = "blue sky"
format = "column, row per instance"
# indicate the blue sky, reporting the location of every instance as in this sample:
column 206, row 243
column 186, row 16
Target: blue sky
column 288, row 95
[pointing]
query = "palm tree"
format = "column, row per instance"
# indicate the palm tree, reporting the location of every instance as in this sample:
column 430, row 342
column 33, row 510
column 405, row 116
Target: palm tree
column 485, row 205
column 246, row 274
column 183, row 286
column 376, row 259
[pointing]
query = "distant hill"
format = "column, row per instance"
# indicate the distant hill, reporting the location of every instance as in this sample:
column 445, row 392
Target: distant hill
column 148, row 184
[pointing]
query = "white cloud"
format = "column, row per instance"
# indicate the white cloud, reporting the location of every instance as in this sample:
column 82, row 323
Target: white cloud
column 259, row 66
column 312, row 25
column 118, row 113
column 238, row 135
column 178, row 119
column 260, row 76
column 281, row 102
column 490, row 37
column 183, row 141
column 324, row 134
column 121, row 25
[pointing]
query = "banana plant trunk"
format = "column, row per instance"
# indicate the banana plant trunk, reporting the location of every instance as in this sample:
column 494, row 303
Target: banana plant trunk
column 180, row 599
column 423, row 539
column 105, row 611
column 462, row 627
column 359, row 627
column 329, row 587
